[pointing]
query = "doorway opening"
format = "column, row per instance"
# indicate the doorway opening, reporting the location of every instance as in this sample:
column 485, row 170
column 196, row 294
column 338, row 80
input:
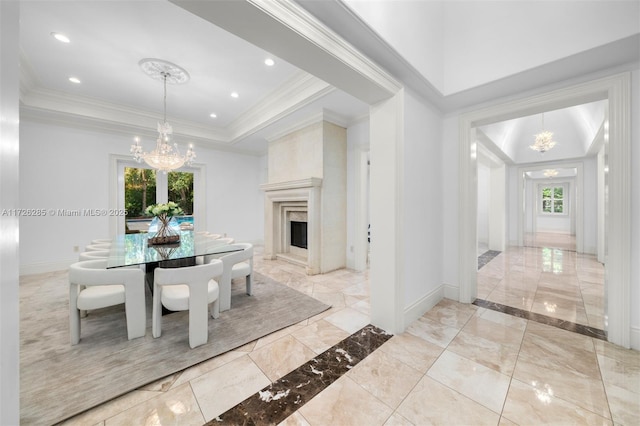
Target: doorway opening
column 616, row 172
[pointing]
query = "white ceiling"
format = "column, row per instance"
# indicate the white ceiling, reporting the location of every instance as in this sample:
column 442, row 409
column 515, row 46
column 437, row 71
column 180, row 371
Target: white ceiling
column 575, row 130
column 109, row 38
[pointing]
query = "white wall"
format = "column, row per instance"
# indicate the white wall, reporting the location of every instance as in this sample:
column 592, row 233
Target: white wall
column 484, row 195
column 9, row 226
column 68, row 168
column 450, row 199
column 635, row 210
column 357, row 142
column 422, row 195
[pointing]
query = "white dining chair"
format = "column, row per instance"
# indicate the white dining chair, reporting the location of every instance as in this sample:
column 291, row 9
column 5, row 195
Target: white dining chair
column 190, row 288
column 237, row 264
column 92, row 286
column 97, row 247
column 93, row 255
column 102, row 241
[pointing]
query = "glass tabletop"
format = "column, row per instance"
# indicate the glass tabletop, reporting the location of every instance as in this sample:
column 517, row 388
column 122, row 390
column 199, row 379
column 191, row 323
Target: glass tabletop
column 133, row 249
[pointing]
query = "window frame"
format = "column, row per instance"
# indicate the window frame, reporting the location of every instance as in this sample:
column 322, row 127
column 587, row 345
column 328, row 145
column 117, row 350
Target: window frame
column 541, row 199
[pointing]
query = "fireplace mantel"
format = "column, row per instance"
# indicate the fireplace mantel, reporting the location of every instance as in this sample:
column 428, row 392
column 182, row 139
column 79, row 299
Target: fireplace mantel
column 292, row 184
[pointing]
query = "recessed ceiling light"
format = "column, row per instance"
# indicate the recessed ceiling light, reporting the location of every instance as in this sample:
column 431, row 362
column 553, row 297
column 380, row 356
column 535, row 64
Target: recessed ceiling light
column 213, row 115
column 61, row 37
column 234, row 94
column 269, row 62
column 75, row 80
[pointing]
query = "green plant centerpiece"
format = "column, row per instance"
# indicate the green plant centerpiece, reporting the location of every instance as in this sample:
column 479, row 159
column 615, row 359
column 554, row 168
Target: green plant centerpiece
column 166, row 233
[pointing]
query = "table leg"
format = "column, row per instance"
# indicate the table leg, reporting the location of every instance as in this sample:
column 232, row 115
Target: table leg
column 174, row 263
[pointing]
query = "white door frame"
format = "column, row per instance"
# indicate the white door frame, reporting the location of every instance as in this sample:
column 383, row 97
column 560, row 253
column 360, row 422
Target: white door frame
column 360, row 242
column 616, row 89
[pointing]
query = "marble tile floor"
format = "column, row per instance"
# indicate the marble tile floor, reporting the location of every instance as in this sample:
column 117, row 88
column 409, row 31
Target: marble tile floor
column 552, row 282
column 550, row 239
column 458, row 364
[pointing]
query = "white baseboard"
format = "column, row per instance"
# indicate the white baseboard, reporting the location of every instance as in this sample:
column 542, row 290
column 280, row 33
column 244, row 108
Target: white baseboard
column 451, row 292
column 635, row 338
column 43, row 267
column 590, row 250
column 417, row 309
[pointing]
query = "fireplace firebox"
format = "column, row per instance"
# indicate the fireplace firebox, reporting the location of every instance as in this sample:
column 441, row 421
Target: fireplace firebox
column 299, row 234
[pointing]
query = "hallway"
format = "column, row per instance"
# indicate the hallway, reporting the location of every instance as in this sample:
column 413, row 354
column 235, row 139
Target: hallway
column 555, row 282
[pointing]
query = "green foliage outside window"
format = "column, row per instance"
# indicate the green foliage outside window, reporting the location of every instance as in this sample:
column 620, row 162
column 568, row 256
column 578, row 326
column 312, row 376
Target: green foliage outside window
column 139, row 190
column 181, row 190
column 553, row 200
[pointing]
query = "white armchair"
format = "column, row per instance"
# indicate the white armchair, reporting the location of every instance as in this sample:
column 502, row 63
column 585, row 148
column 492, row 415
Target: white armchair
column 93, row 255
column 236, row 265
column 92, row 286
column 98, row 247
column 189, row 288
column 102, row 241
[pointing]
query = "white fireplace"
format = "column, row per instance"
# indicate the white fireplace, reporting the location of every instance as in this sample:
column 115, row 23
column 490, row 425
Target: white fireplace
column 297, row 201
column 307, row 184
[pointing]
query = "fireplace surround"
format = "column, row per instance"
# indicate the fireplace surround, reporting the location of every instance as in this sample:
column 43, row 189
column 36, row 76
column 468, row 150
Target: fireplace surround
column 283, row 201
column 307, row 183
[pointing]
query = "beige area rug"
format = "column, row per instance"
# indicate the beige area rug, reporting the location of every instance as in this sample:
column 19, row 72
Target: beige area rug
column 58, row 380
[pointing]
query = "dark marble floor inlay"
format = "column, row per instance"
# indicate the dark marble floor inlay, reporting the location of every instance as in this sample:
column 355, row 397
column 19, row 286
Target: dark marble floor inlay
column 283, row 397
column 543, row 319
column 487, row 257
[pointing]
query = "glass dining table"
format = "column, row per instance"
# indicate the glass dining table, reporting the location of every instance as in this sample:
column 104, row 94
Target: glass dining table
column 134, row 249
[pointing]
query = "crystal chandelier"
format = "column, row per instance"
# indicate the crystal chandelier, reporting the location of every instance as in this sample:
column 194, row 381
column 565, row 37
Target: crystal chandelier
column 544, row 140
column 551, row 173
column 165, row 156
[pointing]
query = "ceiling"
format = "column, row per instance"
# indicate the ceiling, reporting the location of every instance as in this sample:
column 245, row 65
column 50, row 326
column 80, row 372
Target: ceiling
column 577, row 131
column 109, row 38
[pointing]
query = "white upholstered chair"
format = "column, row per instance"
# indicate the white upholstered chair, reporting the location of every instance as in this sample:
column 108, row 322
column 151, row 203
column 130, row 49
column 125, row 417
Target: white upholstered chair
column 93, row 255
column 190, row 288
column 237, row 264
column 92, row 286
column 101, row 241
column 98, row 247
column 224, row 240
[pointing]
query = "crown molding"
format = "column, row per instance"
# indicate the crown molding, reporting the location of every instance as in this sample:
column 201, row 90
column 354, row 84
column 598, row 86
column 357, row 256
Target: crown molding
column 295, row 17
column 76, row 111
column 96, row 110
column 299, row 91
column 59, row 118
column 28, row 78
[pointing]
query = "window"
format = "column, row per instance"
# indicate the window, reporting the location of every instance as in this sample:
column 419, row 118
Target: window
column 553, row 200
column 143, row 187
column 134, row 187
